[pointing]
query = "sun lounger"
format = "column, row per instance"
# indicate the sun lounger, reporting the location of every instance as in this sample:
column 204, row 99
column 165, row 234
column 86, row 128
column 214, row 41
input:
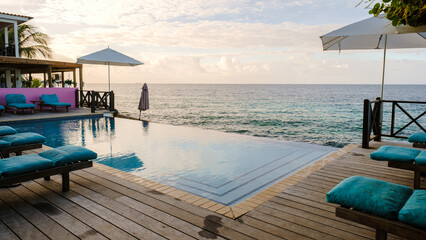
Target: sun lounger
column 403, row 158
column 1, row 109
column 17, row 102
column 6, row 130
column 418, row 139
column 61, row 160
column 52, row 101
column 16, row 143
column 387, row 207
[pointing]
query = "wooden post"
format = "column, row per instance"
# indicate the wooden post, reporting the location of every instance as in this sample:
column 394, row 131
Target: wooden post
column 80, row 71
column 63, row 79
column 30, row 80
column 44, row 80
column 74, row 78
column 49, row 75
column 15, row 78
column 111, row 101
column 366, row 125
column 378, row 118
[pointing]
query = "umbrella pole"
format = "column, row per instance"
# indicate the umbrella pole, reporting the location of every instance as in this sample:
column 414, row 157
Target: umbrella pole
column 384, row 64
column 140, row 114
column 109, row 81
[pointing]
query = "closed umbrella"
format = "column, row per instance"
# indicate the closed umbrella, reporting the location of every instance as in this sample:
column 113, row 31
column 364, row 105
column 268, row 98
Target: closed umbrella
column 109, row 57
column 375, row 33
column 144, row 101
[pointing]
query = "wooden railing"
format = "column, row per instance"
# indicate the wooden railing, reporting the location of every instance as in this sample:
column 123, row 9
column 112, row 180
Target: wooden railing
column 373, row 120
column 97, row 100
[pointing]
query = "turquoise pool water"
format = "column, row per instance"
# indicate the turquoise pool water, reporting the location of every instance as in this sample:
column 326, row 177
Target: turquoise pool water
column 224, row 167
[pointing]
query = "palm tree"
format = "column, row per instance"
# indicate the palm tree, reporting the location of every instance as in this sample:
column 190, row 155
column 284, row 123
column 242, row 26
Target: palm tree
column 32, row 43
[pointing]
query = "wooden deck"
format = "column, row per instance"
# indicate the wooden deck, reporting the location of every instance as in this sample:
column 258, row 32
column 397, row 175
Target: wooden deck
column 103, row 206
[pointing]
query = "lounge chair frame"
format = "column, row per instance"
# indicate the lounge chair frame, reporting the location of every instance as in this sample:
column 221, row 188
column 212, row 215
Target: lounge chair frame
column 5, row 152
column 54, row 107
column 382, row 225
column 417, row 169
column 15, row 109
column 46, row 173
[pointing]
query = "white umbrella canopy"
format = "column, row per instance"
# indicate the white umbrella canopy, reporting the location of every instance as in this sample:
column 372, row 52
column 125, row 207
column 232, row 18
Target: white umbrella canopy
column 109, row 57
column 375, row 33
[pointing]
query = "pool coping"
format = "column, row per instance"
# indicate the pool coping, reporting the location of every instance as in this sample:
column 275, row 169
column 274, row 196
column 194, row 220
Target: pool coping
column 239, row 209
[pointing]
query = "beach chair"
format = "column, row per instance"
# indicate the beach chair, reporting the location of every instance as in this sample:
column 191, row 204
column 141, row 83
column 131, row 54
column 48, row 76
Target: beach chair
column 418, row 139
column 61, row 160
column 403, row 158
column 16, row 143
column 17, row 102
column 52, row 101
column 386, row 207
column 1, row 109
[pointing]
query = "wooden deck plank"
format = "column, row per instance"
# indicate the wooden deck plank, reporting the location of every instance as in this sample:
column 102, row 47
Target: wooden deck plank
column 136, row 216
column 64, row 219
column 49, row 227
column 157, row 214
column 116, row 219
column 6, row 233
column 103, row 226
column 18, row 224
column 198, row 216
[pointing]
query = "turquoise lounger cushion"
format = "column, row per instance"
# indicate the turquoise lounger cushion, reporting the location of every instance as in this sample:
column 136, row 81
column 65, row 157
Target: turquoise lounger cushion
column 53, row 100
column 15, row 98
column 68, row 154
column 391, row 153
column 414, row 211
column 370, row 195
column 4, row 144
column 49, row 98
column 24, row 138
column 6, row 130
column 22, row 105
column 59, row 104
column 421, row 158
column 1, row 107
column 23, row 164
column 417, row 138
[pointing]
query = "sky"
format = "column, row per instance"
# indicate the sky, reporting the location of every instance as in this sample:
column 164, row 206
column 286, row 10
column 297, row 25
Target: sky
column 221, row 41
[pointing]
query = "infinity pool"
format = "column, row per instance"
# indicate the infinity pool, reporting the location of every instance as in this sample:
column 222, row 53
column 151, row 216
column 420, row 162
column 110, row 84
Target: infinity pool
column 226, row 168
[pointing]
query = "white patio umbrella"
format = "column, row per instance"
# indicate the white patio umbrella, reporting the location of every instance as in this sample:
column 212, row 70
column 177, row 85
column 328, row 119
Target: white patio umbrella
column 375, row 33
column 144, row 100
column 109, row 57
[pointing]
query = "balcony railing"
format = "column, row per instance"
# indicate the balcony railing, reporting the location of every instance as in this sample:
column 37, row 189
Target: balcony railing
column 373, row 119
column 97, row 100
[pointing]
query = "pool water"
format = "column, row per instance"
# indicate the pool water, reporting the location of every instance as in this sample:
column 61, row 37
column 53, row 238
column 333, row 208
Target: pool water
column 224, row 167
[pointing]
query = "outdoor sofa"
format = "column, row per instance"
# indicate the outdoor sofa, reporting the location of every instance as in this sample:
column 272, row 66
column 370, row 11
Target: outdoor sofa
column 61, row 160
column 13, row 142
column 387, row 207
column 403, row 158
column 17, row 102
column 52, row 101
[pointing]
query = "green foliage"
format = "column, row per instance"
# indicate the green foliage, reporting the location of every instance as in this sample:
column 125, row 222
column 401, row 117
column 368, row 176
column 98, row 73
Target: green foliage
column 68, row 81
column 406, row 12
column 36, row 83
column 32, row 43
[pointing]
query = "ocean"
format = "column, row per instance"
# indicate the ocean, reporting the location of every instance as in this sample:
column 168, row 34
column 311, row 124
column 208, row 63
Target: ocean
column 329, row 115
